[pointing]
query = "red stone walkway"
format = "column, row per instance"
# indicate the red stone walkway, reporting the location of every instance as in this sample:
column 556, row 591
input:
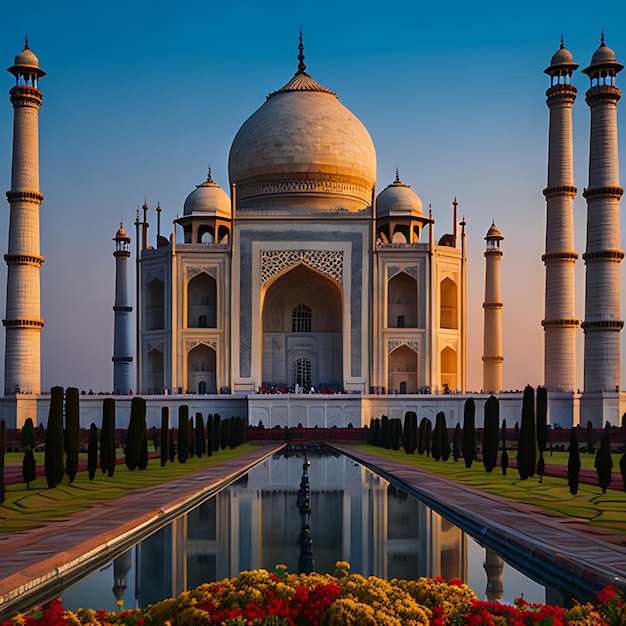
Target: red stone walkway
column 38, row 563
column 574, row 555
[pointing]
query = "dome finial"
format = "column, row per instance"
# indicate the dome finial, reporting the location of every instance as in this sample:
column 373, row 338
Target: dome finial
column 26, row 42
column 602, row 39
column 301, row 65
column 397, row 175
column 209, row 179
column 562, row 43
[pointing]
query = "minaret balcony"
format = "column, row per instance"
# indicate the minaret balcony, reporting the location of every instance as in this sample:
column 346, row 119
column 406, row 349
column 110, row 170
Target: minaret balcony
column 610, row 191
column 563, row 322
column 557, row 190
column 604, row 255
column 603, row 325
column 566, row 255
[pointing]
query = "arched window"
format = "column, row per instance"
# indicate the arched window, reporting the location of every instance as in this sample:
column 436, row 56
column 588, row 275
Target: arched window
column 449, row 369
column 402, row 301
column 301, row 319
column 448, row 301
column 202, row 302
column 155, row 305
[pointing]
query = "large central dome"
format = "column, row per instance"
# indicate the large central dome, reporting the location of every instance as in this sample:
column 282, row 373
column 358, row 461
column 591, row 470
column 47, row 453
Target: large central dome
column 302, row 151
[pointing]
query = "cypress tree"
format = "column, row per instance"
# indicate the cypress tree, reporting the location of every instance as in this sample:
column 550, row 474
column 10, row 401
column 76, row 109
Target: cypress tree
column 573, row 461
column 422, row 436
column 53, row 457
column 504, row 461
column 200, row 440
column 589, row 437
column 490, row 433
column 526, row 447
column 3, row 448
column 437, row 438
column 136, row 439
column 217, row 429
column 29, row 467
column 396, row 432
column 92, row 451
column 172, row 440
column 72, row 428
column 27, row 437
column 468, row 445
column 165, row 435
column 385, row 432
column 183, row 433
column 225, row 434
column 209, row 434
column 107, row 438
column 456, row 443
column 409, row 434
column 191, row 437
column 542, row 428
column 429, row 431
column 603, row 461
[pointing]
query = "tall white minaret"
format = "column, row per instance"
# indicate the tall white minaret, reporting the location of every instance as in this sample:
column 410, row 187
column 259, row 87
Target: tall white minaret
column 122, row 350
column 560, row 323
column 603, row 255
column 492, row 335
column 23, row 323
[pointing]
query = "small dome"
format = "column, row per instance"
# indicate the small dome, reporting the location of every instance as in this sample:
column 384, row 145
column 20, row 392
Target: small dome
column 26, row 60
column 121, row 234
column 562, row 57
column 494, row 233
column 208, row 198
column 398, row 199
column 27, row 57
column 603, row 57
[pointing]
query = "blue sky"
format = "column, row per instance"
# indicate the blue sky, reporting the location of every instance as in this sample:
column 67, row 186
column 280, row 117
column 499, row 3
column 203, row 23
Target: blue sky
column 141, row 96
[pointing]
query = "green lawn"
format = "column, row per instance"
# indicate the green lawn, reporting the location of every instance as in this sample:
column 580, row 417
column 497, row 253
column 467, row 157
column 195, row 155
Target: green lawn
column 35, row 507
column 589, row 505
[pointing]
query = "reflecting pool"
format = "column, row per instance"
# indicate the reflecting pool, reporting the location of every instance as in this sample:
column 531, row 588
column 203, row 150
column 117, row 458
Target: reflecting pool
column 356, row 516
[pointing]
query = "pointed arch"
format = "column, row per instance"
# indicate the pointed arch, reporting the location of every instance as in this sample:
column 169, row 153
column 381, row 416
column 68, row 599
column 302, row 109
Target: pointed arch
column 202, row 301
column 201, row 369
column 156, row 371
column 448, row 300
column 402, row 301
column 302, row 329
column 449, row 369
column 155, row 304
column 402, row 370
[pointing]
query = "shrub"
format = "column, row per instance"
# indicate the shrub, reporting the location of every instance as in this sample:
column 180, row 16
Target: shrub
column 107, row 438
column 27, row 438
column 53, row 457
column 136, row 433
column 504, row 461
column 200, row 440
column 217, row 428
column 29, row 467
column 72, row 432
column 456, row 443
column 225, row 433
column 490, row 433
column 165, row 434
column 526, row 447
column 92, row 451
column 542, row 428
column 183, row 433
column 468, row 445
column 409, row 433
column 209, row 434
column 603, row 461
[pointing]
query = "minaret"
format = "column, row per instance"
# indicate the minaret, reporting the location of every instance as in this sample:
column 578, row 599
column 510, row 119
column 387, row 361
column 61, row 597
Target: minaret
column 603, row 255
column 492, row 337
column 122, row 359
column 23, row 323
column 560, row 323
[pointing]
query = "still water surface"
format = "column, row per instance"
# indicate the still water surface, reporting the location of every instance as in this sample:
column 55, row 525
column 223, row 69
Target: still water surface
column 356, row 516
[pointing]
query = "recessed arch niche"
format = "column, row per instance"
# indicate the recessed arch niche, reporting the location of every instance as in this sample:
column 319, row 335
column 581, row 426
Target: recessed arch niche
column 156, row 371
column 202, row 301
column 402, row 301
column 403, row 370
column 201, row 376
column 302, row 329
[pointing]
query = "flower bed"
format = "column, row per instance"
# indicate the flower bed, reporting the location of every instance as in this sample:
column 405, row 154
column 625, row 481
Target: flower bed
column 261, row 598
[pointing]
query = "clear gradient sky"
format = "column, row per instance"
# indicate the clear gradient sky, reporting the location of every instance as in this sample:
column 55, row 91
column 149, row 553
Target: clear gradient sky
column 141, row 96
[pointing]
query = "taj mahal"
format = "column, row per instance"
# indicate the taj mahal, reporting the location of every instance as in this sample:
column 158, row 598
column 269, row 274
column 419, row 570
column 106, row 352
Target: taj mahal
column 302, row 294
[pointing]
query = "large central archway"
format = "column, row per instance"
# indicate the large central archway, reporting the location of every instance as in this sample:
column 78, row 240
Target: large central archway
column 302, row 331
